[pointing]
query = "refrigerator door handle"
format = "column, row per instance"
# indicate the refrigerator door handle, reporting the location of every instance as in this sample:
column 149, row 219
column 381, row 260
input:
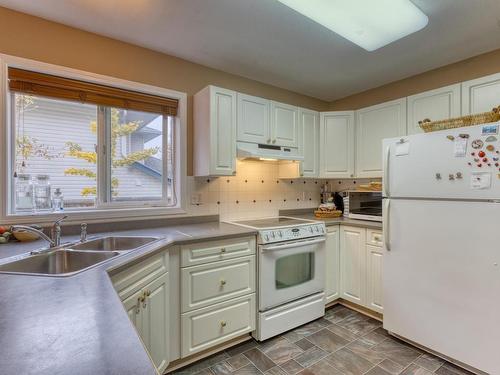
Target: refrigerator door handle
column 385, row 224
column 385, row 177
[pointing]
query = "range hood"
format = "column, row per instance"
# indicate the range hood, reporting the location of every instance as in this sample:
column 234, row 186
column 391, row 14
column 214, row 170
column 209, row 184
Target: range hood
column 247, row 150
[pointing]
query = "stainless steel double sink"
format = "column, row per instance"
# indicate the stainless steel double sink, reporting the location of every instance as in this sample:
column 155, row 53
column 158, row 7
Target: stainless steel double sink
column 73, row 258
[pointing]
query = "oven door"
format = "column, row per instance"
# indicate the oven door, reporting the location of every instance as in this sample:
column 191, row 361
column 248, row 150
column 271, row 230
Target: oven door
column 290, row 270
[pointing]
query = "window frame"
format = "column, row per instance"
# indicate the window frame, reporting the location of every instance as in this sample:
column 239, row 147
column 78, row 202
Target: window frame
column 104, row 210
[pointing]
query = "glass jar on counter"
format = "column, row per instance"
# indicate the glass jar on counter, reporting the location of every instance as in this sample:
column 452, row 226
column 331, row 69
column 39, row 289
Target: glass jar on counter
column 43, row 194
column 24, row 193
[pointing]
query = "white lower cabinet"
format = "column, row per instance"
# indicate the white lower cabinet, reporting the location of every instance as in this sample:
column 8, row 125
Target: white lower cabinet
column 213, row 325
column 353, row 264
column 374, row 298
column 217, row 285
column 146, row 301
column 361, row 267
column 332, row 260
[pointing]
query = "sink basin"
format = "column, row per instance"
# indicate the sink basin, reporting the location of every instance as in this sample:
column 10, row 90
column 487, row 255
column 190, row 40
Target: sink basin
column 57, row 263
column 114, row 243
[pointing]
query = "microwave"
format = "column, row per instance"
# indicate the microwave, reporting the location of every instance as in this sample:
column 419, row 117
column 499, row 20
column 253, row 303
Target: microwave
column 364, row 205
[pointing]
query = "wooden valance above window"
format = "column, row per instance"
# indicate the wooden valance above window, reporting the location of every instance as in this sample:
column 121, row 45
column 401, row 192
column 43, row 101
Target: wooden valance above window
column 34, row 83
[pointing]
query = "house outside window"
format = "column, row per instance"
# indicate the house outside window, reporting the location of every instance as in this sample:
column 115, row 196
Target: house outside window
column 89, row 155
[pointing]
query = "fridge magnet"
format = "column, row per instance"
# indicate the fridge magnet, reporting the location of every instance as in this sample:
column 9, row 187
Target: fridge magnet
column 490, row 148
column 450, row 137
column 490, row 129
column 491, row 138
column 463, row 135
column 477, row 143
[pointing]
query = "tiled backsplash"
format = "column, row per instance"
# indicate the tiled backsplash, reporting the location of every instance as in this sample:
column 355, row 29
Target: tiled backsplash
column 255, row 191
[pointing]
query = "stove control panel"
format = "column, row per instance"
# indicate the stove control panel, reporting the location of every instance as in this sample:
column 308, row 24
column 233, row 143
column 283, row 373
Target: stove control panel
column 292, row 233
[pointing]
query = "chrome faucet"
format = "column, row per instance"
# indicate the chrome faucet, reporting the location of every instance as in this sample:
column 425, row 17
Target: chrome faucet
column 55, row 233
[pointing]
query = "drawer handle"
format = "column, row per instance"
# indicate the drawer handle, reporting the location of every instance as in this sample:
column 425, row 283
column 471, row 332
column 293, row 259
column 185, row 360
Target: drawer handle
column 223, row 323
column 222, row 249
column 222, row 282
column 376, row 238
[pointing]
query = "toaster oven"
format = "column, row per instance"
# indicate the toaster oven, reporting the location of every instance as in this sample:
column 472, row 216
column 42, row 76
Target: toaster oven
column 364, row 205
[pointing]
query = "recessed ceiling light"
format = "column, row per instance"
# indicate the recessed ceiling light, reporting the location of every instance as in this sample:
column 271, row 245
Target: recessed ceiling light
column 371, row 24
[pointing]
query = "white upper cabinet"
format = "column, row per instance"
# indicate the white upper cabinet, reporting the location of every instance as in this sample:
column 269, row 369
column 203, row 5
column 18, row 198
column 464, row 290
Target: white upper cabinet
column 253, row 119
column 373, row 124
column 439, row 104
column 481, row 95
column 337, row 144
column 214, row 132
column 309, row 142
column 284, row 125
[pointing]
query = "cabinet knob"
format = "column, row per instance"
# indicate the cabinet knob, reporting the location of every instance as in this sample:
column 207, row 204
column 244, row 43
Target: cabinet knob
column 223, row 323
column 222, row 249
column 148, row 293
column 352, row 175
column 233, row 172
column 274, row 140
column 269, row 140
column 223, row 282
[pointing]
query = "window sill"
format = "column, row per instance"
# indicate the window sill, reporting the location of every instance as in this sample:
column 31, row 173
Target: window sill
column 95, row 216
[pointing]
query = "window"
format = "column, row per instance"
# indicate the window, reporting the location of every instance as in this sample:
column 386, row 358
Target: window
column 86, row 153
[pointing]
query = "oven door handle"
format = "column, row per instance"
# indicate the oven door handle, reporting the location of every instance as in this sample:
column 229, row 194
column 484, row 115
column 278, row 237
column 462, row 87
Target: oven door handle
column 295, row 244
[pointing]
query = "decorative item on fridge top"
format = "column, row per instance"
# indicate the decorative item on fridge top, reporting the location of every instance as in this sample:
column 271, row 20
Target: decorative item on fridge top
column 481, row 118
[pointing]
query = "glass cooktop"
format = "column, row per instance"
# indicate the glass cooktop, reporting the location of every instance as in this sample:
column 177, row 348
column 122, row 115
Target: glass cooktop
column 272, row 222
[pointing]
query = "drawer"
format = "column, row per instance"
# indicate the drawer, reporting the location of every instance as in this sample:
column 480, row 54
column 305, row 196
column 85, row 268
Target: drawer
column 374, row 237
column 204, row 328
column 211, row 283
column 211, row 251
column 137, row 276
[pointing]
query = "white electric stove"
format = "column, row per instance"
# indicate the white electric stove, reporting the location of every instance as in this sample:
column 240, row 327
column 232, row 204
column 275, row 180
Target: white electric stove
column 291, row 273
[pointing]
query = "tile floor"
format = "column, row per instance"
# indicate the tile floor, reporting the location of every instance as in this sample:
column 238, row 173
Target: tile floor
column 343, row 342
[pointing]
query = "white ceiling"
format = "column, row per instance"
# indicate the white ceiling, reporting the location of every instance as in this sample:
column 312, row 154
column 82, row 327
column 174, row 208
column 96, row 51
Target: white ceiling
column 269, row 42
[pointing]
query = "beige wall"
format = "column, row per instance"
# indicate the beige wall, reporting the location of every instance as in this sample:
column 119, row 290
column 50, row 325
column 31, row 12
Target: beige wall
column 475, row 67
column 38, row 39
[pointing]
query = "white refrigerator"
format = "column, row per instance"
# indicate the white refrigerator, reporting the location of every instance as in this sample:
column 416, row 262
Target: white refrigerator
column 441, row 264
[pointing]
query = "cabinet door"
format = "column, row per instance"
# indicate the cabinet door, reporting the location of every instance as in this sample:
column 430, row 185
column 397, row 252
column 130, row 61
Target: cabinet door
column 353, row 264
column 223, row 132
column 332, row 275
column 373, row 124
column 309, row 142
column 374, row 297
column 133, row 308
column 439, row 104
column 253, row 119
column 284, row 125
column 337, row 144
column 155, row 321
column 481, row 95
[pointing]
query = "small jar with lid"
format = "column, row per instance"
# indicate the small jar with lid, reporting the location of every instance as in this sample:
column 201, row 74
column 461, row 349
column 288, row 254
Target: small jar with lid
column 43, row 194
column 24, row 193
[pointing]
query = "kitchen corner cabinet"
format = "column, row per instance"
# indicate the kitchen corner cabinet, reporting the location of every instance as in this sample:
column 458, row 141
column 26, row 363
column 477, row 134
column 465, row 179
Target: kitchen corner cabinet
column 481, row 94
column 214, row 116
column 373, row 124
column 361, row 267
column 309, row 142
column 439, row 104
column 144, row 291
column 336, row 145
column 284, row 125
column 253, row 119
column 332, row 260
